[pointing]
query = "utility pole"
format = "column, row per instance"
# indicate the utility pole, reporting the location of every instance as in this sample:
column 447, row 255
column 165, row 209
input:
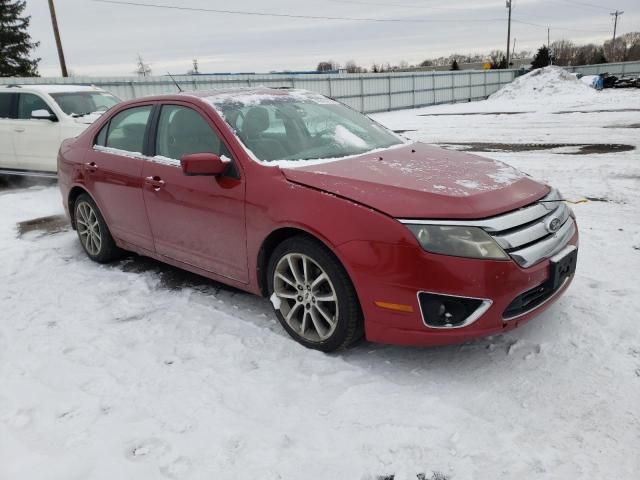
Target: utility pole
column 508, row 31
column 548, row 38
column 56, row 33
column 615, row 14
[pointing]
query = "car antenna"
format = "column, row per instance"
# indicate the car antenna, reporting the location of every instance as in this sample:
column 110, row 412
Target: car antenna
column 174, row 81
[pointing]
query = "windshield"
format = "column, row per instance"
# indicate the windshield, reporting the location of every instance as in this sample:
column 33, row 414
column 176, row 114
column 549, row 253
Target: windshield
column 78, row 104
column 295, row 127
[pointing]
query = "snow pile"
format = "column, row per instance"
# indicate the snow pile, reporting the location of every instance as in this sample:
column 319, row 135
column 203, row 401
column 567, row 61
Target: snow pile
column 543, row 83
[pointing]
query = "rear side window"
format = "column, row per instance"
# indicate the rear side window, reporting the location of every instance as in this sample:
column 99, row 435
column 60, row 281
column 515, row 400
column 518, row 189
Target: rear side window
column 6, row 99
column 127, row 128
column 182, row 131
column 28, row 103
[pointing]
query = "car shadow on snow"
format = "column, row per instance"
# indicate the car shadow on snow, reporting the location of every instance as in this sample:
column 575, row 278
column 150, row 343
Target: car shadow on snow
column 14, row 182
column 44, row 225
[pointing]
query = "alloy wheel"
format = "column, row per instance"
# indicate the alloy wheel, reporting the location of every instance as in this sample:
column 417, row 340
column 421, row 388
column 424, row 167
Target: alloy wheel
column 307, row 298
column 88, row 228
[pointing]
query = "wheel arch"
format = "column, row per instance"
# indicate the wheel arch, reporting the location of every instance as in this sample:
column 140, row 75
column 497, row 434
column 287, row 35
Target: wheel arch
column 276, row 237
column 74, row 193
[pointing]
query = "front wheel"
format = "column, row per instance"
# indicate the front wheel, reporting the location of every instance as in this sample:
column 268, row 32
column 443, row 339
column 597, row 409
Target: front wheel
column 312, row 295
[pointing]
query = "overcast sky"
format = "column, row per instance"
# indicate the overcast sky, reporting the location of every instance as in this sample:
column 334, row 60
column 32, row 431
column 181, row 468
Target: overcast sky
column 104, row 39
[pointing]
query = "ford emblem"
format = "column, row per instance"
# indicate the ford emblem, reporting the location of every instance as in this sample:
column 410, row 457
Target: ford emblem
column 553, row 224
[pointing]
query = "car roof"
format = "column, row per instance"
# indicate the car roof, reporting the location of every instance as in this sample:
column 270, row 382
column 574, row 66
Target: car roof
column 47, row 88
column 238, row 92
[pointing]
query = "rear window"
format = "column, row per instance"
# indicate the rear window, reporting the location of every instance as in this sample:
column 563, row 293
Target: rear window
column 5, row 104
column 127, row 128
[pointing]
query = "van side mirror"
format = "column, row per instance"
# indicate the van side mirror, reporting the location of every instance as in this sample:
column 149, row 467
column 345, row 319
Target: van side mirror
column 203, row 164
column 43, row 114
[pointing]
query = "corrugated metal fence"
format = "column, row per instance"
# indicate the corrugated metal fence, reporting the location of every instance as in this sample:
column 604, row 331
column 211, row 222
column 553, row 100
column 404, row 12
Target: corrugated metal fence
column 369, row 92
column 618, row 69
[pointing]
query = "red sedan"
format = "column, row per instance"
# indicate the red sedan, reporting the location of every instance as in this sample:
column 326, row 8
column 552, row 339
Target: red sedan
column 347, row 228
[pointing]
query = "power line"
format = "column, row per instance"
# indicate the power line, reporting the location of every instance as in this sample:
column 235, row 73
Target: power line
column 559, row 28
column 386, row 4
column 584, row 4
column 322, row 17
column 289, row 15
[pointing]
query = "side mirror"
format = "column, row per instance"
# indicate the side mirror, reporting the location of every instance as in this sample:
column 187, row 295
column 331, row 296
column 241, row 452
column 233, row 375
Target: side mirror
column 203, row 164
column 43, row 115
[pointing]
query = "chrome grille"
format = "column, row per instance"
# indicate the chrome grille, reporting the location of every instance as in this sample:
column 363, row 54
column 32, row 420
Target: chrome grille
column 524, row 233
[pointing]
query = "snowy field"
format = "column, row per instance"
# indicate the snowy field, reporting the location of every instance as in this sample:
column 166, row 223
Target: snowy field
column 137, row 370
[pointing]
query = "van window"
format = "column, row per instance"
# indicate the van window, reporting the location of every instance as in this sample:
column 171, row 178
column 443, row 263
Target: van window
column 6, row 99
column 28, row 102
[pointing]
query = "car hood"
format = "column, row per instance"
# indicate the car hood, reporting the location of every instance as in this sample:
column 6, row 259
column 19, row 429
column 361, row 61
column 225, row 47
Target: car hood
column 423, row 181
column 88, row 119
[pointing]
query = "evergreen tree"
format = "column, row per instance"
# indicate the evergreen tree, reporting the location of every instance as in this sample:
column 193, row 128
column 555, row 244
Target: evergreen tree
column 599, row 56
column 454, row 65
column 541, row 59
column 15, row 41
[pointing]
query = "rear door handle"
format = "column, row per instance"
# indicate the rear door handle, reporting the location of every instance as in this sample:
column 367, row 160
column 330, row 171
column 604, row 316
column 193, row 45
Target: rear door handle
column 156, row 182
column 18, row 129
column 91, row 167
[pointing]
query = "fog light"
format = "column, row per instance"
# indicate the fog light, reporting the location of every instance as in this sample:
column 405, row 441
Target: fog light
column 448, row 311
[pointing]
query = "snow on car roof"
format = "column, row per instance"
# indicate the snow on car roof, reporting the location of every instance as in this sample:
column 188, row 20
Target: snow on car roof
column 44, row 88
column 255, row 95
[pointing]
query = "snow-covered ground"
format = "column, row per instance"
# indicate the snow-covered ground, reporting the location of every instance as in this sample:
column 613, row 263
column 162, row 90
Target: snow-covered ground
column 135, row 370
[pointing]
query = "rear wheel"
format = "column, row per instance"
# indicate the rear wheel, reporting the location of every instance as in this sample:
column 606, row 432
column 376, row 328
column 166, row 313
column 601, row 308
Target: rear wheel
column 312, row 295
column 94, row 235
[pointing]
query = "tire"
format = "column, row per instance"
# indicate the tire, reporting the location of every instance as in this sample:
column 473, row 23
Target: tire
column 94, row 235
column 302, row 296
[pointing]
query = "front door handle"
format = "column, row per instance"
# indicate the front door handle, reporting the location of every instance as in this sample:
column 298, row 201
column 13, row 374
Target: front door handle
column 156, row 182
column 91, row 167
column 18, row 129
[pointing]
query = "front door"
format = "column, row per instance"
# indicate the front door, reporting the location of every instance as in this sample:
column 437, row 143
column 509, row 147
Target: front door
column 197, row 220
column 113, row 171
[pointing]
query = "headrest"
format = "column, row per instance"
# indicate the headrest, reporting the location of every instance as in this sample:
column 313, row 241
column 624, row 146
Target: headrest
column 188, row 122
column 256, row 121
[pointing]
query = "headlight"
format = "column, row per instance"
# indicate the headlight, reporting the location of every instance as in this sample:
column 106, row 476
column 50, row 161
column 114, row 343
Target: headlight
column 472, row 242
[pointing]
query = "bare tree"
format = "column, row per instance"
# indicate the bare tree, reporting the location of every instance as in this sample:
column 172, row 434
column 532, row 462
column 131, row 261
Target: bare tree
column 564, row 52
column 194, row 70
column 626, row 48
column 327, row 66
column 143, row 69
column 352, row 67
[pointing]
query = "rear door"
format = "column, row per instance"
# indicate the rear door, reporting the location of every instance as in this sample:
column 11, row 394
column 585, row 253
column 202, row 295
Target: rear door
column 35, row 141
column 113, row 172
column 7, row 109
column 197, row 220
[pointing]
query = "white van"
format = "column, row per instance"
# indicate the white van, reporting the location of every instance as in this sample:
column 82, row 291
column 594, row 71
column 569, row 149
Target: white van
column 35, row 119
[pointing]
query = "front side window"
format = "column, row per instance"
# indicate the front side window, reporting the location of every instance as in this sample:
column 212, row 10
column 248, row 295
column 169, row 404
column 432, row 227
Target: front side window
column 126, row 129
column 182, row 131
column 28, row 103
column 79, row 104
column 299, row 127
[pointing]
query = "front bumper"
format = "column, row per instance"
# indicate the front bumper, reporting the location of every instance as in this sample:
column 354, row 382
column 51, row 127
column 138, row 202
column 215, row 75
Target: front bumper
column 395, row 274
